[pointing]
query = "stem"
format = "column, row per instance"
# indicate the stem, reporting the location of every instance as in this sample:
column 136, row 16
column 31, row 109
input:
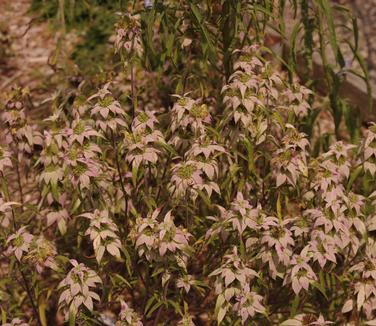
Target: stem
column 19, row 184
column 30, row 296
column 133, row 83
column 120, row 177
column 133, row 91
column 163, row 175
column 158, row 316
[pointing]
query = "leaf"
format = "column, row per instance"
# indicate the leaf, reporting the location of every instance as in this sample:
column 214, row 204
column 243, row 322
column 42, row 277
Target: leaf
column 134, row 175
column 208, row 43
column 99, row 253
column 113, row 250
column 89, row 303
column 72, row 318
column 329, row 19
column 3, row 316
column 75, row 206
column 292, row 58
column 121, row 279
column 295, row 305
column 354, row 175
column 220, row 301
column 168, row 147
column 291, row 322
column 361, row 297
column 221, row 315
column 321, row 289
column 279, row 207
column 42, row 311
column 364, row 68
column 251, row 158
column 348, row 306
column 155, row 307
column 149, row 303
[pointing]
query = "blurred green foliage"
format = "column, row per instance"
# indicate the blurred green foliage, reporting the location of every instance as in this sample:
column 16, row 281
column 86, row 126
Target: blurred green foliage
column 93, row 20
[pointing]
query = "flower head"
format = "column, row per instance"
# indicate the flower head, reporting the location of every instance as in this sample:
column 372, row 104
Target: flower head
column 19, row 243
column 76, row 289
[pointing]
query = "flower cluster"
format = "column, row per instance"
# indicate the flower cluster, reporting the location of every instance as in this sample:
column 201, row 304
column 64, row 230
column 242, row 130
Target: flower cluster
column 102, row 232
column 156, row 240
column 128, row 317
column 234, row 288
column 76, row 289
column 128, row 35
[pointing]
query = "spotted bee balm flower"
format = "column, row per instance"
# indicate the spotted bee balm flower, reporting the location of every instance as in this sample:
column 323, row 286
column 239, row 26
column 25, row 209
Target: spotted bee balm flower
column 76, row 289
column 103, row 233
column 19, row 243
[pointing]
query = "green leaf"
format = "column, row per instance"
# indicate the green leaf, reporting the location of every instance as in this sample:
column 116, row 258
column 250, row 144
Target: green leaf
column 279, row 207
column 353, row 176
column 319, row 287
column 329, row 19
column 251, row 158
column 209, row 44
column 176, row 307
column 3, row 316
column 295, row 306
column 153, row 308
column 42, row 311
column 293, row 59
column 220, row 301
column 221, row 315
column 72, row 319
column 75, row 206
column 134, row 175
column 121, row 279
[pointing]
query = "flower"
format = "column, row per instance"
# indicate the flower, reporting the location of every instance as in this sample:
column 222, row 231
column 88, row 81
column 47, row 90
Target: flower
column 232, row 285
column 338, row 154
column 290, row 161
column 297, row 99
column 323, row 248
column 144, row 120
column 127, row 316
column 186, row 176
column 185, row 282
column 187, row 112
column 16, row 322
column 19, row 243
column 321, row 321
column 102, row 232
column 278, row 237
column 128, row 35
column 187, row 320
column 52, row 174
column 76, row 289
column 301, row 274
column 107, row 110
column 244, row 215
column 248, row 304
column 367, row 150
column 83, row 172
column 156, row 239
column 80, row 131
column 141, row 147
column 41, row 254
